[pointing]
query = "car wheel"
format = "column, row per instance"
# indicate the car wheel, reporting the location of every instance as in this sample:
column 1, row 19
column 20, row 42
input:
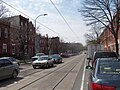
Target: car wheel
column 52, row 65
column 14, row 74
column 54, row 61
column 34, row 67
column 18, row 64
column 60, row 61
column 47, row 65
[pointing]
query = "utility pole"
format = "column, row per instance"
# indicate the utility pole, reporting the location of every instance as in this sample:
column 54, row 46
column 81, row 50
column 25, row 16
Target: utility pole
column 47, row 45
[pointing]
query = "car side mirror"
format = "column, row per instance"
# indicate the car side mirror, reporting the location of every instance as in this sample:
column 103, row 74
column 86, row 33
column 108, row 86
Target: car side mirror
column 49, row 58
column 89, row 59
column 89, row 67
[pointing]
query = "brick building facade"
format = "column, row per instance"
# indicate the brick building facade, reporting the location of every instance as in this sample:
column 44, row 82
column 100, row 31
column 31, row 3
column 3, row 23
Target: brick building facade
column 17, row 30
column 13, row 30
column 49, row 45
column 4, row 38
column 107, row 38
column 55, row 45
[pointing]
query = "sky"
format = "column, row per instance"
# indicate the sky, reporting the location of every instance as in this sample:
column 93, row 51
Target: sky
column 53, row 24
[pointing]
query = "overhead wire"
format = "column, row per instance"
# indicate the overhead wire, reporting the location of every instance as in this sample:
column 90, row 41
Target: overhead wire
column 32, row 19
column 64, row 19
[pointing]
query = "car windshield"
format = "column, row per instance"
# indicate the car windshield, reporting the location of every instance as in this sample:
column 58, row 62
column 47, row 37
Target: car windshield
column 13, row 59
column 43, row 58
column 55, row 56
column 109, row 67
column 105, row 55
column 39, row 54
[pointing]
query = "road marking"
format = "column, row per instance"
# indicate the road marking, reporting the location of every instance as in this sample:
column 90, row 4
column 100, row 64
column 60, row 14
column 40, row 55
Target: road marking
column 83, row 77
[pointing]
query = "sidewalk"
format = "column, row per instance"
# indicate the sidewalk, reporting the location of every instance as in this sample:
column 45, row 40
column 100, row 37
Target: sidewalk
column 28, row 61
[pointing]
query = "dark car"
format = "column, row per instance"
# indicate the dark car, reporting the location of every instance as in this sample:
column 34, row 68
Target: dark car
column 57, row 58
column 14, row 60
column 8, row 69
column 104, row 54
column 64, row 55
column 101, row 54
column 105, row 74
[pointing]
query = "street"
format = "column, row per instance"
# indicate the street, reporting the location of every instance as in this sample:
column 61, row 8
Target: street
column 69, row 75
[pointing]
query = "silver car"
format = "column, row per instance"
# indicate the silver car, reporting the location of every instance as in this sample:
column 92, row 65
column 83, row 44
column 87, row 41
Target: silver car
column 37, row 56
column 8, row 69
column 43, row 61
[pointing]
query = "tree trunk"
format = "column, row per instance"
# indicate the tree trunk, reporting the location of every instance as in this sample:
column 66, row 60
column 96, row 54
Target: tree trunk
column 117, row 46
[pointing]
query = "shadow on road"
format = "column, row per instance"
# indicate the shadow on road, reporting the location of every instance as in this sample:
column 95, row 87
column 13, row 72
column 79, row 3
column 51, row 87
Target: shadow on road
column 6, row 82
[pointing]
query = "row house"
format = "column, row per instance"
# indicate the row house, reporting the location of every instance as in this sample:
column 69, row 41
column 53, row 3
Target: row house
column 31, row 39
column 21, row 36
column 18, row 35
column 4, row 38
column 47, row 45
column 107, row 38
column 25, row 35
column 55, row 45
column 43, row 44
column 40, row 43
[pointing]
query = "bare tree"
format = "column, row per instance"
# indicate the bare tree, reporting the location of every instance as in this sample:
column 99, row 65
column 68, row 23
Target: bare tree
column 3, row 10
column 103, row 12
column 23, row 36
column 75, row 47
column 93, row 36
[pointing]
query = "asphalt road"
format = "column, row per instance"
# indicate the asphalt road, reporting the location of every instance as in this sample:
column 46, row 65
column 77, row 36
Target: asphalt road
column 69, row 75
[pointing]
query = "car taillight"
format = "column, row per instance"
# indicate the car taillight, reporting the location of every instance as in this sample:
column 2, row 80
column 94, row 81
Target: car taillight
column 95, row 86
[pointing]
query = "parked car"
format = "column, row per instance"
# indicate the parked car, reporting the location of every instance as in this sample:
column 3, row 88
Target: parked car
column 37, row 56
column 57, row 58
column 8, row 69
column 101, row 54
column 43, row 61
column 14, row 60
column 64, row 55
column 40, row 54
column 105, row 74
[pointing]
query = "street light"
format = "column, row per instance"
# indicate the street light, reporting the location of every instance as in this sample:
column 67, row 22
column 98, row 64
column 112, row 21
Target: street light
column 37, row 39
column 37, row 18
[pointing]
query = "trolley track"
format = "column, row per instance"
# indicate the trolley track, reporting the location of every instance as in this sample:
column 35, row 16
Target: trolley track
column 69, row 63
column 50, row 74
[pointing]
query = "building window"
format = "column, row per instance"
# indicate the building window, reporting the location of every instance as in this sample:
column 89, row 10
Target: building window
column 22, row 24
column 25, row 24
column 30, row 30
column 0, row 32
column 25, row 47
column 31, row 39
column 4, row 48
column 119, row 21
column 26, row 39
column 13, row 49
column 6, row 33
